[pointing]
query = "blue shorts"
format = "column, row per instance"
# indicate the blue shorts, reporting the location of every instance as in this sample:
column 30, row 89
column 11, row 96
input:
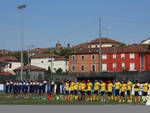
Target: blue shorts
column 48, row 91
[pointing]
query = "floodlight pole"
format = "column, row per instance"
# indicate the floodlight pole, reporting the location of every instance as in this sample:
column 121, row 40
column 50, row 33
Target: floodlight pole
column 100, row 44
column 21, row 7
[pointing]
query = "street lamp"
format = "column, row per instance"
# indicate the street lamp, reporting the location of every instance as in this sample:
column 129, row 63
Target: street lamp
column 21, row 7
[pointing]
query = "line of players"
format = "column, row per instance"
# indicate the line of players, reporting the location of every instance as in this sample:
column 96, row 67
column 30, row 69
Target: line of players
column 26, row 87
column 77, row 90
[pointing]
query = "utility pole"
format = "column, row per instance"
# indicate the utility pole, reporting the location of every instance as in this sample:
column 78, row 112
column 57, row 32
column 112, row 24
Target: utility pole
column 100, row 44
column 21, row 7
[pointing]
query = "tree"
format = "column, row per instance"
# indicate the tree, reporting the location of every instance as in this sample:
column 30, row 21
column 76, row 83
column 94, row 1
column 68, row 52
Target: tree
column 121, row 45
column 59, row 71
column 49, row 70
column 149, row 46
column 17, row 54
column 65, row 52
column 48, row 73
column 1, row 55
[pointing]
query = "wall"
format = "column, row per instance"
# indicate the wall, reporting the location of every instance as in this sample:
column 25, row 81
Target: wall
column 14, row 65
column 43, row 62
column 64, row 65
column 146, row 42
column 88, row 62
column 32, row 75
column 54, row 65
column 2, row 88
column 109, row 61
column 147, row 61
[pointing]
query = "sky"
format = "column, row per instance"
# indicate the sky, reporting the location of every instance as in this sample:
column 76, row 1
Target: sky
column 72, row 21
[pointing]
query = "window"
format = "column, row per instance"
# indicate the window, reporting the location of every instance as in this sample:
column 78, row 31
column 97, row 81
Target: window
column 114, row 66
column 104, row 67
column 82, row 68
column 122, row 56
column 82, row 57
column 132, row 66
column 93, row 68
column 73, row 57
column 93, row 57
column 104, row 56
column 132, row 55
column 123, row 65
column 49, row 60
column 114, row 56
column 73, row 68
column 10, row 65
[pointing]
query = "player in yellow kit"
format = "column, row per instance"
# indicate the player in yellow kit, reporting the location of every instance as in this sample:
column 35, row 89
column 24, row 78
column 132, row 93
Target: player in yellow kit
column 89, row 90
column 76, row 85
column 72, row 90
column 103, row 87
column 117, row 88
column 123, row 89
column 96, row 90
column 67, row 90
column 83, row 88
column 80, row 90
column 110, row 91
column 136, row 89
column 145, row 88
column 129, row 89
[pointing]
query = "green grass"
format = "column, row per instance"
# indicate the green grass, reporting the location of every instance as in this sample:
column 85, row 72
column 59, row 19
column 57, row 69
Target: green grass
column 22, row 101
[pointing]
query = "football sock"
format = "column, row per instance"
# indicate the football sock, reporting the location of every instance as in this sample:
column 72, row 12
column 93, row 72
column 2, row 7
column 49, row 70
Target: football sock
column 139, row 99
column 115, row 98
column 94, row 97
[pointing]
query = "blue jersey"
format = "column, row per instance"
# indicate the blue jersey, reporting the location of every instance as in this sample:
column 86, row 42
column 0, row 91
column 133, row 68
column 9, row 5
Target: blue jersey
column 63, row 89
column 48, row 88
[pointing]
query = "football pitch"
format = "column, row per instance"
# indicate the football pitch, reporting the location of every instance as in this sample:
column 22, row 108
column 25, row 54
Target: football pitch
column 31, row 101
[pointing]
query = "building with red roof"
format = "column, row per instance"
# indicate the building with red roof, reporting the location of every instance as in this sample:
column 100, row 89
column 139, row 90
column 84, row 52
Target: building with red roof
column 105, row 42
column 50, row 60
column 113, row 59
column 31, row 72
column 13, row 63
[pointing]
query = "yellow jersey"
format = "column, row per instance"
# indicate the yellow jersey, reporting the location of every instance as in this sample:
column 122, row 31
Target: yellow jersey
column 89, row 86
column 129, row 86
column 76, row 85
column 145, row 87
column 72, row 86
column 110, row 87
column 136, row 87
column 80, row 86
column 96, row 86
column 67, row 86
column 83, row 86
column 103, row 86
column 123, row 87
column 117, row 85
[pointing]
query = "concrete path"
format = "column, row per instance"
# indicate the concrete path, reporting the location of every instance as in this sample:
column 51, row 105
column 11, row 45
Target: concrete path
column 74, row 109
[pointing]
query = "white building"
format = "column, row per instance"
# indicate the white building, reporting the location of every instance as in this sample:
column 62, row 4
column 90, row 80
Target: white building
column 50, row 60
column 147, row 41
column 13, row 63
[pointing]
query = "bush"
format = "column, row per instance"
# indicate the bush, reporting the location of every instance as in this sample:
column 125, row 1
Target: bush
column 59, row 71
column 125, row 70
column 149, row 46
